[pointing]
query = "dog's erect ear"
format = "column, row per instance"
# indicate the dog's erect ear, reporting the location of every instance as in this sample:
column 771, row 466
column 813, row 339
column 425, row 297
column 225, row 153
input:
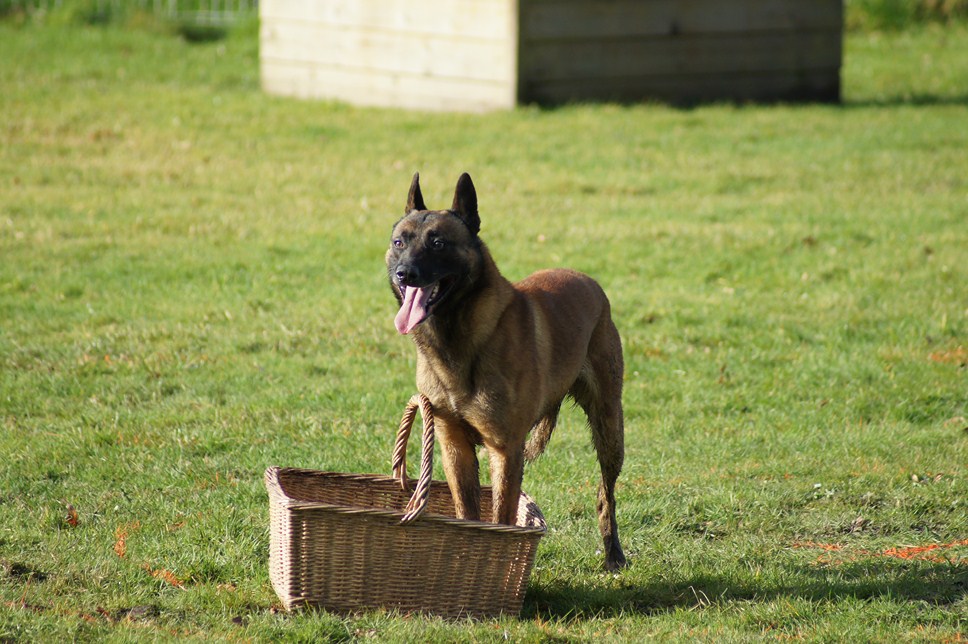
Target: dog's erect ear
column 465, row 203
column 415, row 199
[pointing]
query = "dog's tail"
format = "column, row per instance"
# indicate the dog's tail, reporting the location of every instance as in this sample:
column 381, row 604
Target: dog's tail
column 540, row 435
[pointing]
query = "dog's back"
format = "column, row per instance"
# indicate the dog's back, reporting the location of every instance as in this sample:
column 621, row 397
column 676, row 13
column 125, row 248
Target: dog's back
column 569, row 306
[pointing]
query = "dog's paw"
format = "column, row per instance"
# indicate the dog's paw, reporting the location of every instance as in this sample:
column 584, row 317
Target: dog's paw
column 616, row 561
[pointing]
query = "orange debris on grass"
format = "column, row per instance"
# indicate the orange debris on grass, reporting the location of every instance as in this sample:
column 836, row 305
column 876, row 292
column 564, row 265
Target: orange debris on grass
column 164, row 574
column 910, row 553
column 121, row 537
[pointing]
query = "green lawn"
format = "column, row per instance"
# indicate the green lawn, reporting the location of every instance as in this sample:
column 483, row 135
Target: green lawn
column 192, row 289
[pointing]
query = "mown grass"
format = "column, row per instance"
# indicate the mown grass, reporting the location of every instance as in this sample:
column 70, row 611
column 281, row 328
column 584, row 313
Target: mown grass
column 191, row 289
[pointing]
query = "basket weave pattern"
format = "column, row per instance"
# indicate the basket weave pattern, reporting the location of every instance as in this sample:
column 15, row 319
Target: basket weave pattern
column 337, row 542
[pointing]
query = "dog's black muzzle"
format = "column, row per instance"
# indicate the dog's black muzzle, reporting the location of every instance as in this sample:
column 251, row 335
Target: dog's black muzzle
column 407, row 275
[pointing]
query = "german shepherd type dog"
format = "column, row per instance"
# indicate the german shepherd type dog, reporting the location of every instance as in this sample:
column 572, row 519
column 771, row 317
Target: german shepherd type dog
column 497, row 359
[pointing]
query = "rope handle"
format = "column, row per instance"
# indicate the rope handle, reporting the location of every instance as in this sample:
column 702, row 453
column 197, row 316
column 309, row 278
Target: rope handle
column 418, row 501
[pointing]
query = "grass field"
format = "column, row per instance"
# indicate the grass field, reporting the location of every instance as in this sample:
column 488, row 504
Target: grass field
column 192, row 289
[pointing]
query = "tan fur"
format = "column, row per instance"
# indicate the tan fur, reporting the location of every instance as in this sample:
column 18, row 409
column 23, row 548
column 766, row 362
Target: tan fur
column 501, row 357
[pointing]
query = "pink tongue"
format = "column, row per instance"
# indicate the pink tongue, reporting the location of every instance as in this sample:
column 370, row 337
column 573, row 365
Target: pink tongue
column 413, row 310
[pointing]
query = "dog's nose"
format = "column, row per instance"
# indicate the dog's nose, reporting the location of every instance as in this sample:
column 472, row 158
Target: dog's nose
column 406, row 274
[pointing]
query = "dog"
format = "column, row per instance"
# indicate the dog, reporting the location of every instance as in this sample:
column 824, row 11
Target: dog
column 497, row 359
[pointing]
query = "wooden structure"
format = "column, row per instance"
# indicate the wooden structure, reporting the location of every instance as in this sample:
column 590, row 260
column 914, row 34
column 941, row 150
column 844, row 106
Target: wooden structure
column 476, row 55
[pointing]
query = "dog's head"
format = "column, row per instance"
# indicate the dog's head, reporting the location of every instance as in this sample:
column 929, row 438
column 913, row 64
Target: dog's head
column 434, row 255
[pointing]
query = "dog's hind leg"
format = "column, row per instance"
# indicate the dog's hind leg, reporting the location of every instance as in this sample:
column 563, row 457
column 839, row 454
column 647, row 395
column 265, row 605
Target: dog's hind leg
column 599, row 393
column 607, row 434
column 541, row 434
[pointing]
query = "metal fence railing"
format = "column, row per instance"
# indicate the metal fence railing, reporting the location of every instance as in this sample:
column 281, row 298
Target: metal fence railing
column 211, row 12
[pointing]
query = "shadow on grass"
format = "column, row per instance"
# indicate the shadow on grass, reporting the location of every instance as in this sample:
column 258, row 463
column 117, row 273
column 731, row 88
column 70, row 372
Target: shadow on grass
column 194, row 32
column 935, row 583
column 878, row 102
column 913, row 100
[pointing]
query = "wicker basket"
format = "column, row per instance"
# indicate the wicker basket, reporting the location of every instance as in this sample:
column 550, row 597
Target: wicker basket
column 350, row 542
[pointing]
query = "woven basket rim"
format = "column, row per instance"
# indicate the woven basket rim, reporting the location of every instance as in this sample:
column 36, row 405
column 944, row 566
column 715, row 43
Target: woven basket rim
column 275, row 490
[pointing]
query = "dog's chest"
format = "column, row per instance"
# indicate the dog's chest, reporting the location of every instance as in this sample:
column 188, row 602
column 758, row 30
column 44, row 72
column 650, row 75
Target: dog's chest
column 449, row 389
column 463, row 396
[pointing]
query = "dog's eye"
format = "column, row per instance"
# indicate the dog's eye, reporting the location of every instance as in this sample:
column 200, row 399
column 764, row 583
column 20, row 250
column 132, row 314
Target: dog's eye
column 438, row 243
column 398, row 243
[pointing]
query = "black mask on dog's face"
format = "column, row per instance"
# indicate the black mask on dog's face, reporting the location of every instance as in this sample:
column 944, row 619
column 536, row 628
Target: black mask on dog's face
column 431, row 251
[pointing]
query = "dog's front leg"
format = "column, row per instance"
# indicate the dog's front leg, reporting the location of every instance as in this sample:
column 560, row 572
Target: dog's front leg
column 507, row 470
column 459, row 453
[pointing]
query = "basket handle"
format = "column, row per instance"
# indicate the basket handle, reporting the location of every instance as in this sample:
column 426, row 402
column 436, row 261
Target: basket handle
column 418, row 501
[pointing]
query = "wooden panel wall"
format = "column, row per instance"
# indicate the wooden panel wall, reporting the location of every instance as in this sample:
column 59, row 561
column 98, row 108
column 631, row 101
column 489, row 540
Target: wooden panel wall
column 475, row 55
column 680, row 50
column 423, row 54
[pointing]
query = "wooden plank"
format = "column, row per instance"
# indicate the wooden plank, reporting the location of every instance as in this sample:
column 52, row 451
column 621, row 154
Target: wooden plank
column 384, row 89
column 490, row 19
column 567, row 19
column 804, row 84
column 363, row 49
column 643, row 57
